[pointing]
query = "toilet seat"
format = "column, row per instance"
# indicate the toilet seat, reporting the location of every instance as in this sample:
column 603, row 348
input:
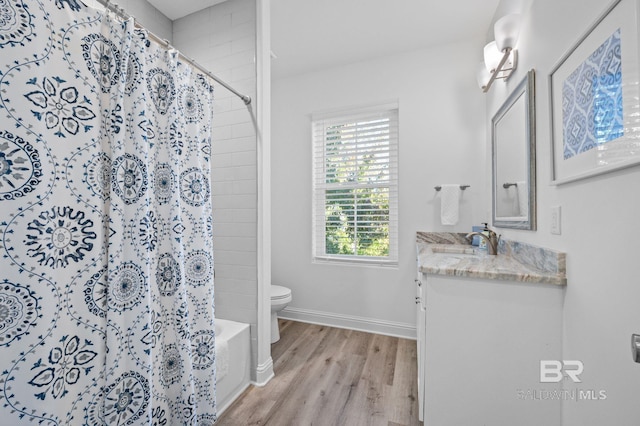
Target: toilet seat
column 278, row 292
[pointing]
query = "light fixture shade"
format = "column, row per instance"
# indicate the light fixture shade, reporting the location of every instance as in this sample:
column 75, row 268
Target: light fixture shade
column 492, row 56
column 482, row 75
column 506, row 31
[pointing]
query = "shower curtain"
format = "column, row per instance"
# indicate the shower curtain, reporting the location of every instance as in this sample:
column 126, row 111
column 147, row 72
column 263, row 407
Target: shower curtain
column 106, row 266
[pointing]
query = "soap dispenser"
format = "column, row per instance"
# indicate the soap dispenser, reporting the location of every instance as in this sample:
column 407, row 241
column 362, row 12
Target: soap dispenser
column 482, row 244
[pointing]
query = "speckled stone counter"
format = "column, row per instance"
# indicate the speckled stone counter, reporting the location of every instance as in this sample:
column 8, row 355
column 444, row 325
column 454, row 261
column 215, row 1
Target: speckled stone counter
column 445, row 253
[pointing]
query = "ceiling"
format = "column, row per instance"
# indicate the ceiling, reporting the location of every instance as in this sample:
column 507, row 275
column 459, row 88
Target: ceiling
column 315, row 34
column 174, row 9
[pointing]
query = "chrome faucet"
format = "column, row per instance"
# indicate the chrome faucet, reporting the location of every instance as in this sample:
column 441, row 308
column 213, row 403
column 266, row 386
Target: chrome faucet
column 491, row 239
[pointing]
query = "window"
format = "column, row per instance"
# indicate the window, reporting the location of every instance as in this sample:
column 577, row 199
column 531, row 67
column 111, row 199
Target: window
column 355, row 185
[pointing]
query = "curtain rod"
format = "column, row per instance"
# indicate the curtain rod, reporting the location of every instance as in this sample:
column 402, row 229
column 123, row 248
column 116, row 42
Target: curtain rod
column 124, row 15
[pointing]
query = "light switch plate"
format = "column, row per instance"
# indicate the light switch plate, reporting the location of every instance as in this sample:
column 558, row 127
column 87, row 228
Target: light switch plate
column 555, row 220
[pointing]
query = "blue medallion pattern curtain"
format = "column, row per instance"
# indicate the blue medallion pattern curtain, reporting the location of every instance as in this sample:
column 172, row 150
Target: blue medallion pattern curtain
column 106, row 265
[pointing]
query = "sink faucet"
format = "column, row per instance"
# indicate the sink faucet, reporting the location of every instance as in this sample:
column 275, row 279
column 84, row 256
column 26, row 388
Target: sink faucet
column 491, row 239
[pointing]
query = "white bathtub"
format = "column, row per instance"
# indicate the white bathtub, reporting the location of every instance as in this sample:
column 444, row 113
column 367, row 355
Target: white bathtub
column 233, row 361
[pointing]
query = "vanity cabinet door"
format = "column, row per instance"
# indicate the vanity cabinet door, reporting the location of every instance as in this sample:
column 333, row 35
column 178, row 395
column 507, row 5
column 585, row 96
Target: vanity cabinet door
column 483, row 343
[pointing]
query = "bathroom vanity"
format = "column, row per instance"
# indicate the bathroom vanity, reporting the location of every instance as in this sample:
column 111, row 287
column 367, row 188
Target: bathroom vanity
column 484, row 324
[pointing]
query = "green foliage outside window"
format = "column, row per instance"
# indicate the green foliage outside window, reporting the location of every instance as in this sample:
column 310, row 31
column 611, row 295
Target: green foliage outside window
column 357, row 194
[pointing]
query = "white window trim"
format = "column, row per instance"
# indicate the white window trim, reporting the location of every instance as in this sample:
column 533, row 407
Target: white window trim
column 318, row 235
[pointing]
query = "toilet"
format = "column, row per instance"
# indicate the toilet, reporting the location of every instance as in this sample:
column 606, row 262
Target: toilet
column 280, row 298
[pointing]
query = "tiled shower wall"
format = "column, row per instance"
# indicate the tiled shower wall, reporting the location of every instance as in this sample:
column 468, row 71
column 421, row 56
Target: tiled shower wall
column 222, row 38
column 154, row 20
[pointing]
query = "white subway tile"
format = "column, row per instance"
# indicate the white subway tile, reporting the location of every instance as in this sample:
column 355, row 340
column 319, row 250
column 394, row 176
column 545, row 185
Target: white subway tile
column 220, row 133
column 222, row 93
column 242, row 44
column 237, row 300
column 235, row 313
column 218, row 50
column 192, row 29
column 234, row 187
column 196, row 21
column 223, row 145
column 234, row 60
column 243, row 72
column 244, row 14
column 182, row 25
column 245, row 186
column 244, row 172
column 236, row 286
column 195, row 47
column 221, row 38
column 222, row 187
column 245, row 244
column 233, row 173
column 240, row 258
column 235, row 272
column 219, row 22
column 222, row 160
column 245, row 29
column 233, row 117
column 221, row 105
column 223, row 215
column 235, row 201
column 243, row 130
column 234, row 229
column 221, row 174
column 247, row 158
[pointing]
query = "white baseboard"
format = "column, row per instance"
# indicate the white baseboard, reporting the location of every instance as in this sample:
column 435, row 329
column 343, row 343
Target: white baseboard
column 264, row 373
column 370, row 325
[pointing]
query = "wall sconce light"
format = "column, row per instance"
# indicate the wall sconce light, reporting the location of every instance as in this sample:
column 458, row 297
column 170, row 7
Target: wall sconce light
column 500, row 57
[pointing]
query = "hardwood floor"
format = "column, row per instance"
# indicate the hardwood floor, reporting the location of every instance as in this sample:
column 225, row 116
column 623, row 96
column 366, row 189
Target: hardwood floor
column 330, row 376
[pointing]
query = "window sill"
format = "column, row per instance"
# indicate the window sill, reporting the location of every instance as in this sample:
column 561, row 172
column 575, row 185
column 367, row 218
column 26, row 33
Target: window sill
column 379, row 263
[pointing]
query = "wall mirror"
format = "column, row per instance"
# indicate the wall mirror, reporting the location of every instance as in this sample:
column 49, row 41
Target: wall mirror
column 514, row 161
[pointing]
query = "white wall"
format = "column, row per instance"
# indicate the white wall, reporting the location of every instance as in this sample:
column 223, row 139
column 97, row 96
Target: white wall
column 441, row 115
column 599, row 233
column 222, row 38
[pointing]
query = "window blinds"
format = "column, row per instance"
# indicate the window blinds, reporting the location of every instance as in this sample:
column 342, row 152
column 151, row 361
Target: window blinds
column 355, row 186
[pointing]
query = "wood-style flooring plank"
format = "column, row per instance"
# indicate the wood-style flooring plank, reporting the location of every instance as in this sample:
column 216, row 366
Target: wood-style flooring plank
column 369, row 406
column 402, row 407
column 330, row 376
column 300, row 403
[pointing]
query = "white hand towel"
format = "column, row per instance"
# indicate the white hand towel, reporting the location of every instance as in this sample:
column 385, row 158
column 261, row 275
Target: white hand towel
column 449, row 204
column 523, row 197
column 222, row 359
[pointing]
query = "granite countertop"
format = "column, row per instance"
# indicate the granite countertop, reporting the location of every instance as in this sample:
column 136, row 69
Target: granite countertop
column 445, row 253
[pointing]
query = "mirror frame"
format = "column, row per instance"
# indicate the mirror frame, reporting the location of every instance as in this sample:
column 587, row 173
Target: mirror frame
column 526, row 89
